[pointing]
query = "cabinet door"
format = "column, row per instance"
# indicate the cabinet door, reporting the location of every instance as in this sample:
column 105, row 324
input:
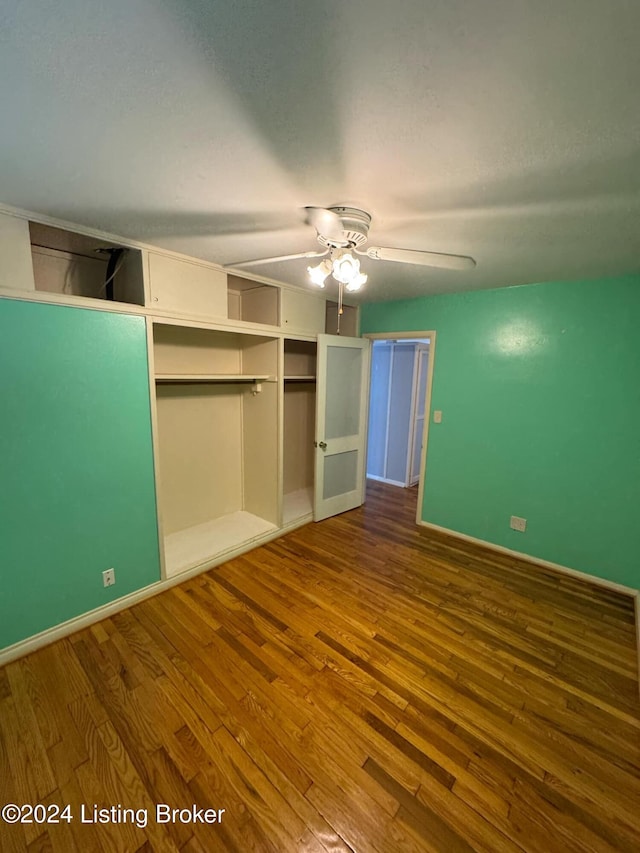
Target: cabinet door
column 16, row 269
column 302, row 312
column 187, row 288
column 341, row 419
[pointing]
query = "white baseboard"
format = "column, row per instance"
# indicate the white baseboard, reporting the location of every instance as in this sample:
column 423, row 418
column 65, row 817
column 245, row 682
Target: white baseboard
column 71, row 626
column 519, row 555
column 50, row 635
column 295, row 523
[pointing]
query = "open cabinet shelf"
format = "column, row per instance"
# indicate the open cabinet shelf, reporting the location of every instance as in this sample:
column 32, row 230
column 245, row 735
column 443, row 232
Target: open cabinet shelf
column 185, row 353
column 252, row 301
column 71, row 264
column 299, row 359
column 196, row 545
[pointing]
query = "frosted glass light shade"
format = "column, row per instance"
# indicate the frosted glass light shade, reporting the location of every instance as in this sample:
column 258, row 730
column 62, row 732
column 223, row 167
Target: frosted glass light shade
column 319, row 273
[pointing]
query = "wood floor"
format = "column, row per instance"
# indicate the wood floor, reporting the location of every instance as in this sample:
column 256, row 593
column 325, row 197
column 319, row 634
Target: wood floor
column 360, row 684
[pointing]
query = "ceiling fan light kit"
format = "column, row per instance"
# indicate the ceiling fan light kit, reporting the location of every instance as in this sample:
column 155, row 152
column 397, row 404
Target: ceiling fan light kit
column 343, row 231
column 344, row 268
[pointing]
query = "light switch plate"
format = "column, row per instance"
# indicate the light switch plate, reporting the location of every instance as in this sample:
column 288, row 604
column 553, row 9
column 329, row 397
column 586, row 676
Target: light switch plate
column 437, row 417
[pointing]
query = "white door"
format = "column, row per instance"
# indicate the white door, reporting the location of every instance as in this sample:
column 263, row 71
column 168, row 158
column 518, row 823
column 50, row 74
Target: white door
column 417, row 429
column 341, row 423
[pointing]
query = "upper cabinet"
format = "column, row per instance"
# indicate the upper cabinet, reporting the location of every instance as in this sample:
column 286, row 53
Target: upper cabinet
column 16, row 269
column 70, row 266
column 253, row 301
column 345, row 324
column 302, row 313
column 42, row 259
column 179, row 286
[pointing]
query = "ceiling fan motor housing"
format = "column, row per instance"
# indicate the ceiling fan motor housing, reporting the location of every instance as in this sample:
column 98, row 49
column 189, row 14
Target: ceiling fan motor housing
column 355, row 224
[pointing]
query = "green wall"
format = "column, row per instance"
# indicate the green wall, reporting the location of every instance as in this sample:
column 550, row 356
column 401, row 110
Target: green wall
column 540, row 392
column 76, row 465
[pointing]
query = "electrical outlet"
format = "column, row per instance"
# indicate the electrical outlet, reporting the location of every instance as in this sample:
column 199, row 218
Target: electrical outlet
column 437, row 417
column 109, row 577
column 519, row 524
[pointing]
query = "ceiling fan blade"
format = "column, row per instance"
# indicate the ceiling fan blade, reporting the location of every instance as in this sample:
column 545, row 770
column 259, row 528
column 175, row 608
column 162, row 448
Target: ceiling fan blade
column 425, row 259
column 327, row 223
column 256, row 261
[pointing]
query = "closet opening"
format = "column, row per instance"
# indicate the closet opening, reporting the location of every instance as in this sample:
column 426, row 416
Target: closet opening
column 299, row 429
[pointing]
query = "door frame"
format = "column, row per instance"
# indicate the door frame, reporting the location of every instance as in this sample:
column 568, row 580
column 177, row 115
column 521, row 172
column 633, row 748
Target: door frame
column 410, row 335
column 421, row 352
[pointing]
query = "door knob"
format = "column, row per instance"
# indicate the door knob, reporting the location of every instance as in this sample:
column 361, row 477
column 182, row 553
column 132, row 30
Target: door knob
column 323, row 445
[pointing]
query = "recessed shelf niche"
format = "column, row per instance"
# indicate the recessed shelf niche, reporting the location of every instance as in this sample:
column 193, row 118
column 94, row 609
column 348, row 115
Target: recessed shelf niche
column 299, row 429
column 72, row 264
column 252, row 301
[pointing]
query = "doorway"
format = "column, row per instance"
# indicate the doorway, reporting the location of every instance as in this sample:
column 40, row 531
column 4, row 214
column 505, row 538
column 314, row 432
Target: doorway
column 399, row 405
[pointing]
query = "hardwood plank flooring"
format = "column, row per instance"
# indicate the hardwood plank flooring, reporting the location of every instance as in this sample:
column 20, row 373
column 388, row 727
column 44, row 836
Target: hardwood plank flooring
column 361, row 684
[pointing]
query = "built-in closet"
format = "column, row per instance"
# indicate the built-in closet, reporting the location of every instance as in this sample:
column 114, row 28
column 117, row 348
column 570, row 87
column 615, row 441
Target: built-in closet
column 217, row 440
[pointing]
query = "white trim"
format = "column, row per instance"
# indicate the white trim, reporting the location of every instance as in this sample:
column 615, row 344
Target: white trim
column 280, row 428
column 169, row 317
column 392, row 358
column 529, row 558
column 427, row 421
column 295, row 523
column 155, row 444
column 365, row 401
column 408, row 337
column 412, row 418
column 385, row 480
column 220, row 324
column 418, row 378
column 50, row 635
column 65, row 300
column 64, row 629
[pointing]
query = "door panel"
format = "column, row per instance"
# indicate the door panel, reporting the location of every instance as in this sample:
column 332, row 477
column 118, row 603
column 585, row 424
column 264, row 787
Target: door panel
column 341, row 417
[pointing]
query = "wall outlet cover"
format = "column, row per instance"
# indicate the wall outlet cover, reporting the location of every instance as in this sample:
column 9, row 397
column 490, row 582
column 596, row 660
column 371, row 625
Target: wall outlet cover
column 517, row 523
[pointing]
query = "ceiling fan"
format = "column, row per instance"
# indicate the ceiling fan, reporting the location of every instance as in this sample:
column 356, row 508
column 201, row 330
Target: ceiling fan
column 343, row 231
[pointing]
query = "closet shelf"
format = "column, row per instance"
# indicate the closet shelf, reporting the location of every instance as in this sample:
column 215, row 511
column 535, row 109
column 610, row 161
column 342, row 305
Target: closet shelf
column 214, row 377
column 298, row 378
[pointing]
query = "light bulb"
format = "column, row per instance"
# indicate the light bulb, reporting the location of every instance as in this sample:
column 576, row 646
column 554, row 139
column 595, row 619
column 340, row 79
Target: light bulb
column 357, row 282
column 319, row 273
column 345, row 267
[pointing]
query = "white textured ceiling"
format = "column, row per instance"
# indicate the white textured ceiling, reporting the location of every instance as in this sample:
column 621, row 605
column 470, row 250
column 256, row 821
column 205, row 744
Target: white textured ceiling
column 508, row 130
